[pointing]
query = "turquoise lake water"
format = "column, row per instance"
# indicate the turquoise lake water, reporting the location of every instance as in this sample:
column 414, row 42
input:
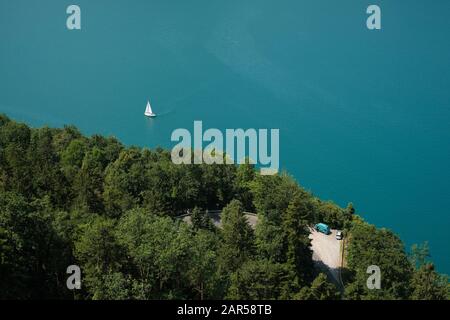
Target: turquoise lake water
column 363, row 115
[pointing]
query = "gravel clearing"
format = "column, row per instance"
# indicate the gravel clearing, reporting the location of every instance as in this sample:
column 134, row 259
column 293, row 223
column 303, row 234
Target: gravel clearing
column 326, row 252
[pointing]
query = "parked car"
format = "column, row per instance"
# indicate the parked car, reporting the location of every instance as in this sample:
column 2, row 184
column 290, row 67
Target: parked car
column 339, row 235
column 322, row 227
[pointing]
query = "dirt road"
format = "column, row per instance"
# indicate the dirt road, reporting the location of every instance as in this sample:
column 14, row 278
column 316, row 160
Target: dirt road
column 326, row 252
column 215, row 216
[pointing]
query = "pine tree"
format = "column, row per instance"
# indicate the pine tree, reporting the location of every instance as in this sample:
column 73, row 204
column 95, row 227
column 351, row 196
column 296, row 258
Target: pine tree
column 298, row 252
column 237, row 237
column 322, row 289
column 428, row 284
column 201, row 220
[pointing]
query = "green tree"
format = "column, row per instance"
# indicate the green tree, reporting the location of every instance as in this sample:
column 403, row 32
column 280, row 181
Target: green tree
column 322, row 289
column 217, row 185
column 159, row 250
column 63, row 137
column 260, row 280
column 15, row 169
column 238, row 239
column 72, row 157
column 201, row 220
column 124, row 182
column 48, row 178
column 99, row 253
column 272, row 194
column 33, row 256
column 114, row 286
column 329, row 213
column 88, row 185
column 245, row 174
column 297, row 242
column 202, row 267
column 370, row 246
column 270, row 240
column 419, row 254
column 427, row 284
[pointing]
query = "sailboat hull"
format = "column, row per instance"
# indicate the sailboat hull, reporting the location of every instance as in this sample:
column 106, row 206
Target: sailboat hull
column 150, row 115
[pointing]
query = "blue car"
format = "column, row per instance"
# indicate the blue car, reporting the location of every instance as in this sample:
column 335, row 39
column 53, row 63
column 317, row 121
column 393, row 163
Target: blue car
column 322, row 227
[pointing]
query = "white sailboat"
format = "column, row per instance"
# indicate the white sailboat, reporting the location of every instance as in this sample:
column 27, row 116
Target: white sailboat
column 148, row 110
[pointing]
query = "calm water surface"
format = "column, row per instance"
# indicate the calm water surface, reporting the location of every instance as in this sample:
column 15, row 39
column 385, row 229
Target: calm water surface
column 363, row 115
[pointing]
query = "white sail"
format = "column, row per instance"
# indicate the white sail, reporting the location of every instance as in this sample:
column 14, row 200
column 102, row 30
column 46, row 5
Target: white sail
column 148, row 110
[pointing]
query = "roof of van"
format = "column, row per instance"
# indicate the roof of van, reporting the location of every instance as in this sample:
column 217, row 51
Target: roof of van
column 322, row 225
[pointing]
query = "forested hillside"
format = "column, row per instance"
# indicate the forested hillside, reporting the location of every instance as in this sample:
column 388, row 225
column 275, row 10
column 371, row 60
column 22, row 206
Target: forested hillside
column 67, row 199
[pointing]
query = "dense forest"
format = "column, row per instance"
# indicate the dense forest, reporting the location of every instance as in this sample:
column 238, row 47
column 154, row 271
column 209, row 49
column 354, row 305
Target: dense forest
column 67, row 199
